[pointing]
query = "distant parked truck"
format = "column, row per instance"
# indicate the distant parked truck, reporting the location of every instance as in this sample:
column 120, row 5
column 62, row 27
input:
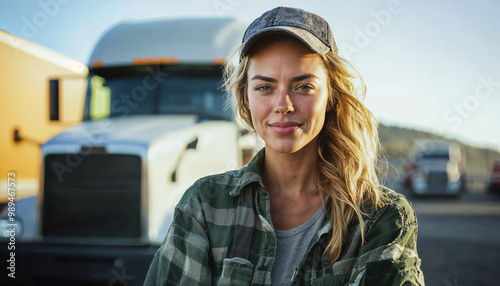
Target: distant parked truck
column 493, row 181
column 436, row 168
column 154, row 121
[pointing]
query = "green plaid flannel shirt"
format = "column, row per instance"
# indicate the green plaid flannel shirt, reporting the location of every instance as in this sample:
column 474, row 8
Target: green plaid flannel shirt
column 202, row 246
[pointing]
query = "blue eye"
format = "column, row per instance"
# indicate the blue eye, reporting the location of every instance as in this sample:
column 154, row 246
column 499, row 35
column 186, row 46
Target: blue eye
column 264, row 88
column 304, row 87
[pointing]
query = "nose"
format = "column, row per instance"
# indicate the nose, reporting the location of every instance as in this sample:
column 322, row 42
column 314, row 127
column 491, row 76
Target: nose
column 283, row 103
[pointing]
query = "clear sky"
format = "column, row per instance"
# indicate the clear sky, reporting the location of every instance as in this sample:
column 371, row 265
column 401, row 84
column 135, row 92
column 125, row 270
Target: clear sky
column 429, row 65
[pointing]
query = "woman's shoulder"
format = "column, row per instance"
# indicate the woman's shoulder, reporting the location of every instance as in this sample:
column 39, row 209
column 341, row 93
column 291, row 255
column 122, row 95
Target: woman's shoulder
column 391, row 221
column 213, row 188
column 397, row 203
column 226, row 180
column 389, row 255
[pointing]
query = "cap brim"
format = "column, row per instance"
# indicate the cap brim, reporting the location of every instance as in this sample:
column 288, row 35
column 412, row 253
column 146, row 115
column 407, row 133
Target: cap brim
column 304, row 36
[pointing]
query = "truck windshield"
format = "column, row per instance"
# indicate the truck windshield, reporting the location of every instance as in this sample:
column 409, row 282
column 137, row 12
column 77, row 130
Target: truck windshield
column 436, row 156
column 169, row 89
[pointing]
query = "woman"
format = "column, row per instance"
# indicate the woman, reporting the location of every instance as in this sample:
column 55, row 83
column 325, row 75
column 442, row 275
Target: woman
column 308, row 209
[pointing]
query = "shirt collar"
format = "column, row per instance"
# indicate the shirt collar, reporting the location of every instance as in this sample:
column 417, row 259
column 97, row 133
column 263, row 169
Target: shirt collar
column 251, row 173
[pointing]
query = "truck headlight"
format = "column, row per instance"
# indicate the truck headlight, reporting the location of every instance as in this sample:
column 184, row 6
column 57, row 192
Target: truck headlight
column 454, row 177
column 419, row 181
column 453, row 173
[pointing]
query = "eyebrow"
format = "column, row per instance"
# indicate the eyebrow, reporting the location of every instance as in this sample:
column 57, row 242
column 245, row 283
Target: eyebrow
column 294, row 79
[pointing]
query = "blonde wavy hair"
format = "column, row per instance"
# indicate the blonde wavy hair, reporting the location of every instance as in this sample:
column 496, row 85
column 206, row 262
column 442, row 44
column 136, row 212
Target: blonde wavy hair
column 348, row 145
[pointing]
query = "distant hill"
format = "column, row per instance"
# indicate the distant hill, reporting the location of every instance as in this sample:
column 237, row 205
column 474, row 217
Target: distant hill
column 397, row 141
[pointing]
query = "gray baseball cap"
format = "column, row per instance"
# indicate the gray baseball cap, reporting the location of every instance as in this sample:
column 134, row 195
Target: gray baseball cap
column 308, row 27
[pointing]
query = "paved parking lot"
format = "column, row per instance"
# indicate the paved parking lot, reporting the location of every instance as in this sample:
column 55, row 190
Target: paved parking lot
column 459, row 239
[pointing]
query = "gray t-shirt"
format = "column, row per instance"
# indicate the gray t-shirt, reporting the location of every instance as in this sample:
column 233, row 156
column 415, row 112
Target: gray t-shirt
column 292, row 246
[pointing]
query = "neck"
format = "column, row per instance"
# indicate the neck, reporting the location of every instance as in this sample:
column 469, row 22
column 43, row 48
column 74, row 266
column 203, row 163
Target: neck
column 291, row 174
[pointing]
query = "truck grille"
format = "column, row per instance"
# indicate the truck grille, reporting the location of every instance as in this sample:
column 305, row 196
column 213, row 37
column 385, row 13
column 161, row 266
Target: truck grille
column 437, row 182
column 98, row 196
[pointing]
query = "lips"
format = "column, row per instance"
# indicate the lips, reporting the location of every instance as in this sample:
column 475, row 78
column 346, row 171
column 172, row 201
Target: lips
column 284, row 127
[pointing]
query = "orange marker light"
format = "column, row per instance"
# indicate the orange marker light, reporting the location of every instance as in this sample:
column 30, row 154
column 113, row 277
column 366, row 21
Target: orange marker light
column 139, row 61
column 220, row 61
column 172, row 60
column 152, row 61
column 97, row 63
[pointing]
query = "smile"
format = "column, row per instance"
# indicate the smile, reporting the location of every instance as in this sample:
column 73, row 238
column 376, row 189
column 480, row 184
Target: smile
column 284, row 128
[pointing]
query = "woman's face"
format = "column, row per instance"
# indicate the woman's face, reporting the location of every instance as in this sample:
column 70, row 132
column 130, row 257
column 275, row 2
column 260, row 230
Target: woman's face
column 287, row 95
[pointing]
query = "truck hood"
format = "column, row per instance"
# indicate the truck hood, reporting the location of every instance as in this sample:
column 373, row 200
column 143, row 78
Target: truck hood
column 136, row 130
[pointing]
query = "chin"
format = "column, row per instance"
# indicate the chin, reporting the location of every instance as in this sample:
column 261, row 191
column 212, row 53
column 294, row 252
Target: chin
column 284, row 148
column 292, row 146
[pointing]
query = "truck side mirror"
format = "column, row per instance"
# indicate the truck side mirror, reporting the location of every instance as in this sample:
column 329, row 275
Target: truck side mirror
column 191, row 145
column 54, row 99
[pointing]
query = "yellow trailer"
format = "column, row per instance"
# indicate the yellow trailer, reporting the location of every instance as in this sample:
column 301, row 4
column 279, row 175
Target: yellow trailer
column 25, row 71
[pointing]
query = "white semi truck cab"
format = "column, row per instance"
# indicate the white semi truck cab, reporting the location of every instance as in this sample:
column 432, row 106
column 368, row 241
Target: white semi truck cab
column 155, row 120
column 436, row 168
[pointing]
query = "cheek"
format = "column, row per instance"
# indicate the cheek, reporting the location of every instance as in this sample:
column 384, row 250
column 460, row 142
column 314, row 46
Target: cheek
column 317, row 111
column 255, row 103
column 315, row 107
column 259, row 111
column 255, row 109
column 252, row 108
